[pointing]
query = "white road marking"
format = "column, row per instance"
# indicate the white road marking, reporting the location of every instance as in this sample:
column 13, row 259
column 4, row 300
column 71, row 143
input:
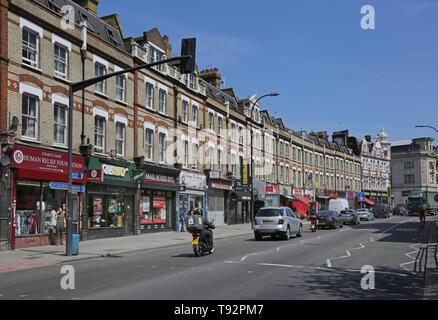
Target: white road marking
column 416, row 247
column 361, row 246
column 313, row 268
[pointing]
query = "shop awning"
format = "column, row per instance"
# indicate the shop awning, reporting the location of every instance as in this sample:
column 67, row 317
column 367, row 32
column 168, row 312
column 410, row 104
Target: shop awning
column 324, row 196
column 368, row 201
column 304, row 200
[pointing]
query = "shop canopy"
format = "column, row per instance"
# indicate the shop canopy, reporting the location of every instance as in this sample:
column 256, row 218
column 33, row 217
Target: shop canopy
column 368, row 201
column 302, row 205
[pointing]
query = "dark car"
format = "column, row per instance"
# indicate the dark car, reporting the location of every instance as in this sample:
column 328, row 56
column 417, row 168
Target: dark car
column 400, row 210
column 329, row 219
column 381, row 211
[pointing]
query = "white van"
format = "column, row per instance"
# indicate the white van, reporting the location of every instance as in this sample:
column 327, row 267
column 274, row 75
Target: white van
column 338, row 205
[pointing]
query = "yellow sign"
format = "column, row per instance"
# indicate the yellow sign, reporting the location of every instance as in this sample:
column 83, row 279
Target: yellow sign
column 389, row 192
column 245, row 173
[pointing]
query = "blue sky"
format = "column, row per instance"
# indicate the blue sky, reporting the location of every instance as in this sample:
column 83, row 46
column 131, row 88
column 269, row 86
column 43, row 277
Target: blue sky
column 330, row 73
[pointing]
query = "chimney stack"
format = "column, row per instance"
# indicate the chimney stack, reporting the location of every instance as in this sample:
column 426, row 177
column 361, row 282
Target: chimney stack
column 212, row 76
column 89, row 5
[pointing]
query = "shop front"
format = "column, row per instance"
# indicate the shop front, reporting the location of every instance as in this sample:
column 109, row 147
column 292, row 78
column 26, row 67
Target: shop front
column 158, row 199
column 218, row 191
column 39, row 191
column 285, row 196
column 238, row 204
column 110, row 199
column 323, row 198
column 192, row 192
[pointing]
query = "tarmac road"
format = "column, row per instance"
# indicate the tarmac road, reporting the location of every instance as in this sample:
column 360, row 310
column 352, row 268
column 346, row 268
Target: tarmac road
column 322, row 265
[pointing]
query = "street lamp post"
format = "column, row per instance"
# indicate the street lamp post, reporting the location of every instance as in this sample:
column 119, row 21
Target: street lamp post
column 74, row 87
column 421, row 126
column 272, row 94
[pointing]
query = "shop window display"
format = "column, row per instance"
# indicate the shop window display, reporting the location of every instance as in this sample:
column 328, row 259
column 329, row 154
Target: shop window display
column 156, row 207
column 106, row 211
column 37, row 204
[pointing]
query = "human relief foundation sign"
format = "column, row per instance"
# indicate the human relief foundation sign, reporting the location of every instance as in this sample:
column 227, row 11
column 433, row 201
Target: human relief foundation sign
column 45, row 164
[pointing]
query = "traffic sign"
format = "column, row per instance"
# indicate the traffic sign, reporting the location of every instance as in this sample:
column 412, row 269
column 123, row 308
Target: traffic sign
column 361, row 196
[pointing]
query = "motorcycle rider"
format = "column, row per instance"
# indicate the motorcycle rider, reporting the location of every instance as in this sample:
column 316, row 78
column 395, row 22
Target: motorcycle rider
column 206, row 234
column 313, row 217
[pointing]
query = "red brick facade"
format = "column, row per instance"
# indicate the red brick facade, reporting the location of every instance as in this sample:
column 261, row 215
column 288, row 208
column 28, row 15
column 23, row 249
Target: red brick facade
column 4, row 61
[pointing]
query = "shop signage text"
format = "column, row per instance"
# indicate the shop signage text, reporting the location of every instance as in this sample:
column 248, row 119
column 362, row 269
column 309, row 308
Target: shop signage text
column 152, row 177
column 114, row 171
column 271, row 189
column 43, row 164
column 192, row 180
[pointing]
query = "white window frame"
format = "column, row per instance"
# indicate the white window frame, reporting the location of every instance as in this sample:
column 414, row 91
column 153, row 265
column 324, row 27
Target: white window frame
column 148, row 146
column 185, row 113
column 57, row 73
column 64, row 125
column 162, row 147
column 162, row 105
column 149, row 98
column 123, row 124
column 27, row 47
column 124, row 77
column 102, row 83
column 29, row 95
column 100, row 149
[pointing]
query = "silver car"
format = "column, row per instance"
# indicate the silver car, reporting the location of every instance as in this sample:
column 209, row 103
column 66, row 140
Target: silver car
column 277, row 221
column 350, row 216
column 365, row 214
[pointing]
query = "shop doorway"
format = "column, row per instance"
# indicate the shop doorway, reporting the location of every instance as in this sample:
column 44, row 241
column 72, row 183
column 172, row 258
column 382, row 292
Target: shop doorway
column 128, row 216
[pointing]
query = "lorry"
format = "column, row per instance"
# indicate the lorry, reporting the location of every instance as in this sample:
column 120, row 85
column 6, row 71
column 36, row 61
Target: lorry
column 427, row 200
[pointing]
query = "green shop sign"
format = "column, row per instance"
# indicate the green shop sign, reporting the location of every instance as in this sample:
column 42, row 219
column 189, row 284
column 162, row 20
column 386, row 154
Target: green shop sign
column 119, row 171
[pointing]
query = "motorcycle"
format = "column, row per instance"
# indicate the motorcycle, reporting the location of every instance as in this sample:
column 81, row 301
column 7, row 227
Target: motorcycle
column 313, row 224
column 200, row 245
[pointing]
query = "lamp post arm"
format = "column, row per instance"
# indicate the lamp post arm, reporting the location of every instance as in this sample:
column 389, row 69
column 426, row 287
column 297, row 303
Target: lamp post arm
column 86, row 83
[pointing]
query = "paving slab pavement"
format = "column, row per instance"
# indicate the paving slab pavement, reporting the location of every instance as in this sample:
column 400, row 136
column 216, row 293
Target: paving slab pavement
column 431, row 264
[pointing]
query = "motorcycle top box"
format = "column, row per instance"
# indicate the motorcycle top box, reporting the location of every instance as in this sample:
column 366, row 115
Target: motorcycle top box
column 194, row 223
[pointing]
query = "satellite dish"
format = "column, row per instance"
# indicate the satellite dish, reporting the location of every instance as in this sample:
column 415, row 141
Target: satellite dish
column 15, row 121
column 14, row 124
column 5, row 160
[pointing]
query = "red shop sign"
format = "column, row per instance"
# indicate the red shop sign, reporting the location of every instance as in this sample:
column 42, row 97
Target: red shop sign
column 159, row 202
column 46, row 165
column 271, row 189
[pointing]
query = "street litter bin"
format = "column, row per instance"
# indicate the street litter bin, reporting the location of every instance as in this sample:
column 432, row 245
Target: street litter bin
column 75, row 245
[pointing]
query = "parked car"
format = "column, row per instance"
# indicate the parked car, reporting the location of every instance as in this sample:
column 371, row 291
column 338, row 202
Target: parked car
column 400, row 210
column 365, row 214
column 381, row 211
column 277, row 221
column 350, row 216
column 338, row 205
column 329, row 218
